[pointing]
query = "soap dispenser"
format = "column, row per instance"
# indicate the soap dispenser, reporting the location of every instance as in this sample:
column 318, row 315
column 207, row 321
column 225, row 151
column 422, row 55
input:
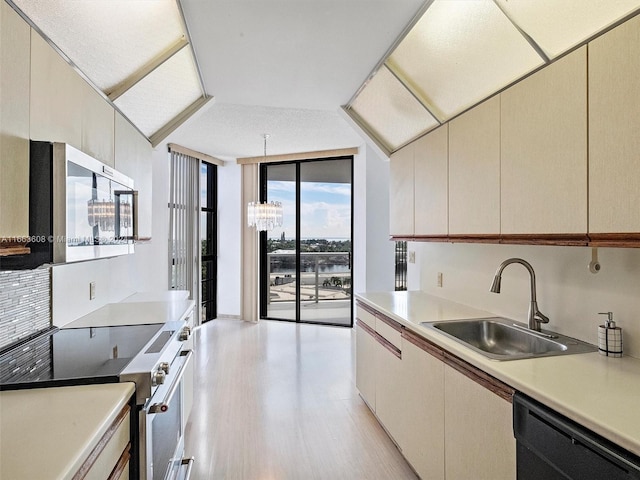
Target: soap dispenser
column 609, row 337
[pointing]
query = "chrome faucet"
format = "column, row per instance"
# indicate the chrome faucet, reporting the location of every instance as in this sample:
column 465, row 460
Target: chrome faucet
column 535, row 316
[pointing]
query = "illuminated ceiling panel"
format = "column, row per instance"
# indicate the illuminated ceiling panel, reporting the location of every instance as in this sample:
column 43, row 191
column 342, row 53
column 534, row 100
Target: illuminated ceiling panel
column 163, row 94
column 461, row 52
column 390, row 111
column 108, row 40
column 557, row 26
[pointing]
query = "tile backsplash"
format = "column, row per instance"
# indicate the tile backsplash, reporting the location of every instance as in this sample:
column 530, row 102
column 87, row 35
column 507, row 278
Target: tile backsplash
column 25, row 303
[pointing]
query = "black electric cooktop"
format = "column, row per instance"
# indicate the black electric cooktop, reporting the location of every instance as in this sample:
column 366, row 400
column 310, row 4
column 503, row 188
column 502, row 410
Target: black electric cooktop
column 73, row 356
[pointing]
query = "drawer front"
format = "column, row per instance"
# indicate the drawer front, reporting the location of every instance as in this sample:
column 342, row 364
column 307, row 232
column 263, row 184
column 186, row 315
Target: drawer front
column 110, row 455
column 366, row 317
column 389, row 333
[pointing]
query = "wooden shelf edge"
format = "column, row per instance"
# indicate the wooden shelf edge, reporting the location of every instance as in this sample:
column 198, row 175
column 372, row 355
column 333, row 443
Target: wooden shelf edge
column 9, row 246
column 613, row 240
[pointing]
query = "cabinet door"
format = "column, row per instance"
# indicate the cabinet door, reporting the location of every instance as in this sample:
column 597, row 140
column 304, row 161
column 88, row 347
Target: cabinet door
column 401, row 192
column 14, row 123
column 431, row 183
column 614, row 123
column 389, row 395
column 133, row 158
column 479, row 437
column 56, row 96
column 98, row 119
column 474, row 170
column 422, row 440
column 365, row 366
column 544, row 150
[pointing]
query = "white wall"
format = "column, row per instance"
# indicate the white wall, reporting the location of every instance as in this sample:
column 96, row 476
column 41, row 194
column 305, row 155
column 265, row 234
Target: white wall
column 568, row 293
column 373, row 251
column 229, row 245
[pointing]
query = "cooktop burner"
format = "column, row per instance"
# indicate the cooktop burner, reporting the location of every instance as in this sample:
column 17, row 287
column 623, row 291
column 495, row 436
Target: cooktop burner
column 74, row 355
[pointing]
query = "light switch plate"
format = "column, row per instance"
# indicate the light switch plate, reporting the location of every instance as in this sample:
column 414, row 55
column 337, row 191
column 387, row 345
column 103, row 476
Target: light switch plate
column 92, row 290
column 412, row 257
column 439, row 282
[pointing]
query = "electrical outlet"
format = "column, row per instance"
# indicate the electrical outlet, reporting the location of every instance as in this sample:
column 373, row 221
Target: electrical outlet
column 92, row 290
column 412, row 256
column 439, row 284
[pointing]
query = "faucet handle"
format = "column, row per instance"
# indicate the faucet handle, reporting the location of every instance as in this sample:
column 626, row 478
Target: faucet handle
column 542, row 318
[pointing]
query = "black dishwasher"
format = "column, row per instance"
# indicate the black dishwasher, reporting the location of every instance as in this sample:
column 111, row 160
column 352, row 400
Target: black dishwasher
column 549, row 446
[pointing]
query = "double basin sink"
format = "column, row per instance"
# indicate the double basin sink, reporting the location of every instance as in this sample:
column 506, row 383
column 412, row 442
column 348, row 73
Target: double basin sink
column 503, row 339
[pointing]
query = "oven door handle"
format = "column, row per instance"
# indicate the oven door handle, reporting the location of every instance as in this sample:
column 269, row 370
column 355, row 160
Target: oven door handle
column 163, row 406
column 187, row 463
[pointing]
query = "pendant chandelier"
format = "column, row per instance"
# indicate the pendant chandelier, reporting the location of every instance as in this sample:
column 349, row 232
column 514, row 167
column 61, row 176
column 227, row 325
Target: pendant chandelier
column 102, row 213
column 264, row 216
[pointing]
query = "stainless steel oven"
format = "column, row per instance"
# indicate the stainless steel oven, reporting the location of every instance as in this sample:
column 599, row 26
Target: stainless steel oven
column 153, row 356
column 162, row 423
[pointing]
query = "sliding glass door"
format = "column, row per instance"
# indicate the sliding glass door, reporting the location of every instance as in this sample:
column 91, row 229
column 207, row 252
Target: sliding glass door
column 306, row 265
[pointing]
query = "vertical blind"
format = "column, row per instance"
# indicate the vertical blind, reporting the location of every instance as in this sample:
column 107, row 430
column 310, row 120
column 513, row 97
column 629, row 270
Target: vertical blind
column 183, row 224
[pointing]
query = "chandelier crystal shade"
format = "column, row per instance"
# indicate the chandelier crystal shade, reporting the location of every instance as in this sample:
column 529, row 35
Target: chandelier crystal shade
column 264, row 216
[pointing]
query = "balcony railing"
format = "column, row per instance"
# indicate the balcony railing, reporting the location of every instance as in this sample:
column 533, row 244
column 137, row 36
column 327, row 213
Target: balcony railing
column 324, row 276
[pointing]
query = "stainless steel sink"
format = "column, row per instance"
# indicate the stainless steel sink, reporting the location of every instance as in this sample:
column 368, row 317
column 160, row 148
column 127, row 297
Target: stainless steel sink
column 503, row 339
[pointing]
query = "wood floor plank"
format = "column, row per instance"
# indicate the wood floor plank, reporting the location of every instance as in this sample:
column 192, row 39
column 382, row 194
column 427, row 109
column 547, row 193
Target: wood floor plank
column 277, row 401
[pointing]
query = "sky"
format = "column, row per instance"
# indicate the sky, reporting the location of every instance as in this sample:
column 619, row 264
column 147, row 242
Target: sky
column 325, row 209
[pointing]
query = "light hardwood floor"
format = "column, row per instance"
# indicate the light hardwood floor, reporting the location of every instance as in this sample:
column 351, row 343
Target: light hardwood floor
column 276, row 401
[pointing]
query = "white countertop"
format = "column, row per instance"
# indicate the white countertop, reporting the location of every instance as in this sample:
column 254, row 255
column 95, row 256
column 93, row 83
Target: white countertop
column 601, row 393
column 168, row 295
column 135, row 313
column 47, row 433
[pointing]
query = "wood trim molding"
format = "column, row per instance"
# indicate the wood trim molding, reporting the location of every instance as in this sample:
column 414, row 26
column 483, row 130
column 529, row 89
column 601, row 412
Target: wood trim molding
column 625, row 240
column 192, row 153
column 102, row 443
column 380, row 339
column 482, row 378
column 397, row 326
column 341, row 152
column 122, row 465
column 8, row 246
column 561, row 239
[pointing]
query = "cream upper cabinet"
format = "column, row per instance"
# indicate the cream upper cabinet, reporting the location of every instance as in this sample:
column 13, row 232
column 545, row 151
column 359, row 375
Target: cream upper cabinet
column 14, row 123
column 614, row 130
column 479, row 441
column 133, row 158
column 98, row 126
column 431, row 183
column 474, row 170
column 422, row 440
column 65, row 108
column 544, row 150
column 56, row 96
column 401, row 176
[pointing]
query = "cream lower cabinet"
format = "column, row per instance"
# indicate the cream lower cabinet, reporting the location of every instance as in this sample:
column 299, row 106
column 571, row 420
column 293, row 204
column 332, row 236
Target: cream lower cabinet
column 479, row 441
column 379, row 369
column 447, row 424
column 365, row 365
column 423, row 408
